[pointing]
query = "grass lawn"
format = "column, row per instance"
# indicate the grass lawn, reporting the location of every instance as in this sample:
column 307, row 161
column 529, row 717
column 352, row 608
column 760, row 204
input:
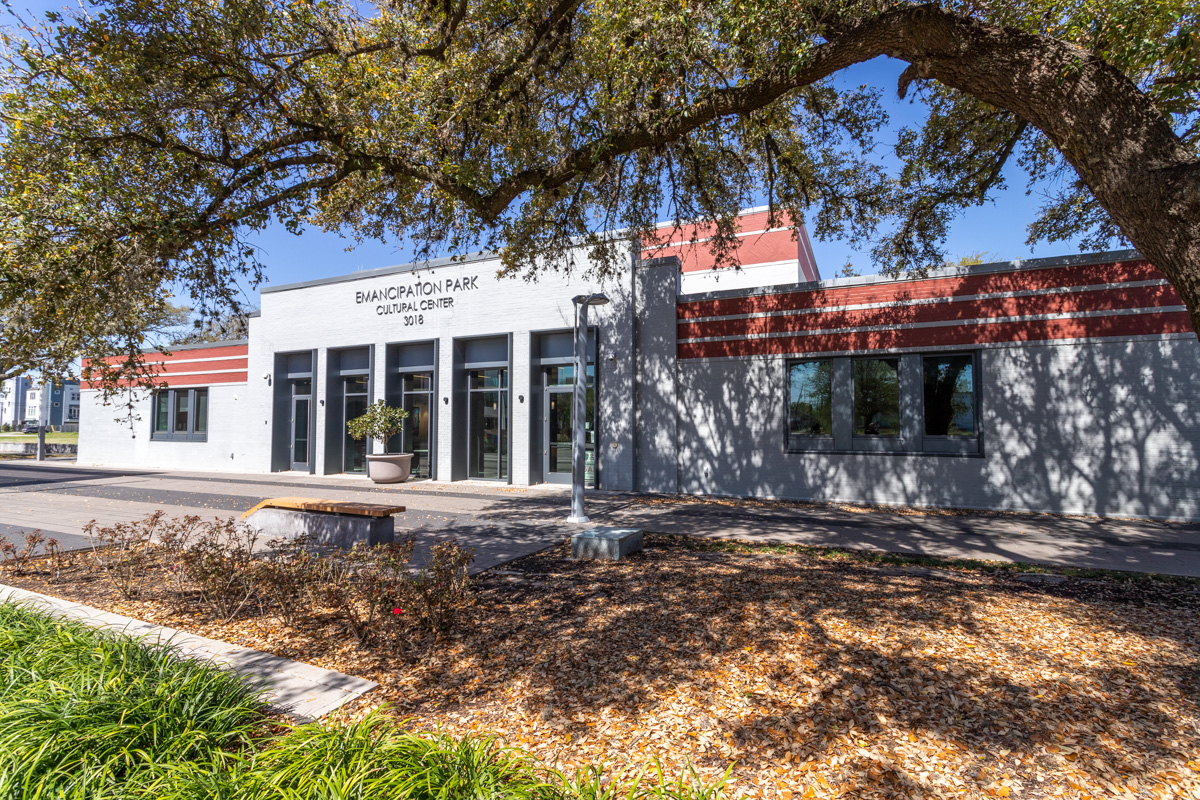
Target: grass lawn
column 103, row 716
column 71, row 437
column 813, row 676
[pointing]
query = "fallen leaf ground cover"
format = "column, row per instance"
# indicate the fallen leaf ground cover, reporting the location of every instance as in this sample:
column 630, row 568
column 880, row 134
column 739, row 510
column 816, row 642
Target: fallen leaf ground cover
column 813, row 677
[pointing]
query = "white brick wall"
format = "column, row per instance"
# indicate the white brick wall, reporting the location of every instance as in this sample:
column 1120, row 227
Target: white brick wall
column 107, row 438
column 1103, row 427
column 327, row 316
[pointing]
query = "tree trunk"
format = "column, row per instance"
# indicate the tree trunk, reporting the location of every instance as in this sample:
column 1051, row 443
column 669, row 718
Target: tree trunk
column 1123, row 149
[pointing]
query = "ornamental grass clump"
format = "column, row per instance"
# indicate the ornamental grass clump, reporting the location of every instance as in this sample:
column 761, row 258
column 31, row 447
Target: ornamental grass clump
column 373, row 758
column 90, row 714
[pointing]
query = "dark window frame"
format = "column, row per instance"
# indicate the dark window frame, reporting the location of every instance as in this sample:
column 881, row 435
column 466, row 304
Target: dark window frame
column 808, row 442
column 170, row 435
column 970, row 444
column 911, row 440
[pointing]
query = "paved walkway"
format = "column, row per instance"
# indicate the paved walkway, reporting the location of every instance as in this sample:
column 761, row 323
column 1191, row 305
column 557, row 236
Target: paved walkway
column 303, row 691
column 504, row 522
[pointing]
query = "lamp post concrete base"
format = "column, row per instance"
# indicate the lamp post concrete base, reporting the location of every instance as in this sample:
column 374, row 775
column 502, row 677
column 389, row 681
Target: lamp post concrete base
column 606, row 543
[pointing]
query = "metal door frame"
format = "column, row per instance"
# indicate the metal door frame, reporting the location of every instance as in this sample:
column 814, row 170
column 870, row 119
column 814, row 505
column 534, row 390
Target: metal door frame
column 503, row 413
column 568, row 390
column 430, row 395
column 300, row 465
column 547, row 475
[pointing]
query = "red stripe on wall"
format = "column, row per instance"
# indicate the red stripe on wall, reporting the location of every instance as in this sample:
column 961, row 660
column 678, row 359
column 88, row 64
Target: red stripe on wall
column 183, row 361
column 1015, row 281
column 227, row 351
column 208, row 380
column 990, row 308
column 898, row 338
column 203, row 379
column 169, row 367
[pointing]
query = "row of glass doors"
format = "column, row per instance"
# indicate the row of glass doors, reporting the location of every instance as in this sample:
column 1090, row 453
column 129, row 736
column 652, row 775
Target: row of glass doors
column 488, row 423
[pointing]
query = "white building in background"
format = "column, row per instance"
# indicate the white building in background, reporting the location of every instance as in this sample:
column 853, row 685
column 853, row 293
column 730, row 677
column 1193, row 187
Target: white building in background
column 63, row 411
column 12, row 401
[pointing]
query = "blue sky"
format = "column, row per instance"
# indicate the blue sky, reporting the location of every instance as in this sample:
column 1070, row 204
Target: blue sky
column 997, row 228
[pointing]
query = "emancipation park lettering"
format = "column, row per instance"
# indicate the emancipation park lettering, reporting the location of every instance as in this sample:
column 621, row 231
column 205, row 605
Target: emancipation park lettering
column 414, row 300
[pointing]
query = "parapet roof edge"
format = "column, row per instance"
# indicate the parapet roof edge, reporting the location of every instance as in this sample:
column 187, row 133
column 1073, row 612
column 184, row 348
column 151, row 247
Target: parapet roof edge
column 395, row 269
column 948, row 272
column 198, row 346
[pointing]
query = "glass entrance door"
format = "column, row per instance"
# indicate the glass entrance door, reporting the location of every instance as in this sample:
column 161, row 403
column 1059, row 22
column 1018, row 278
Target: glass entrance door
column 354, row 451
column 301, row 408
column 487, row 452
column 560, row 391
column 418, row 401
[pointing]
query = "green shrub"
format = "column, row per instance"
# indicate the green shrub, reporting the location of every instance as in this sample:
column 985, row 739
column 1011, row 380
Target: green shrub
column 368, row 586
column 442, row 587
column 122, row 550
column 287, row 576
column 380, row 422
column 86, row 713
column 89, row 715
column 16, row 557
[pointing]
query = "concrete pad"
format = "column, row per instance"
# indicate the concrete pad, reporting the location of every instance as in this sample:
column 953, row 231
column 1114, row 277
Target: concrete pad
column 302, row 691
column 606, row 543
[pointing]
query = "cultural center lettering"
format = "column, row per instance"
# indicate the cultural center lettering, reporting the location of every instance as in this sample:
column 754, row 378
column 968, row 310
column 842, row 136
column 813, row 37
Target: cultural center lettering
column 415, row 299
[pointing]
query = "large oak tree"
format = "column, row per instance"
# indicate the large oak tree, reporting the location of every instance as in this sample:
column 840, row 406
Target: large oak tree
column 144, row 140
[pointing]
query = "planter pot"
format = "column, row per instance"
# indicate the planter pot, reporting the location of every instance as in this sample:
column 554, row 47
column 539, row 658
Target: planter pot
column 391, row 468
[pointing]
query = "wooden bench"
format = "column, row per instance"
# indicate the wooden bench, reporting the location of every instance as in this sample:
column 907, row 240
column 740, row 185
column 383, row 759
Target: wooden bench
column 328, row 522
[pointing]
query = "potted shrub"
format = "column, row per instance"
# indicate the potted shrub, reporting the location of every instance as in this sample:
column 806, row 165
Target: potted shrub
column 382, row 422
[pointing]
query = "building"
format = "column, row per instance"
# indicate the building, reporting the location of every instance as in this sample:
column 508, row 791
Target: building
column 1059, row 385
column 12, row 401
column 64, row 405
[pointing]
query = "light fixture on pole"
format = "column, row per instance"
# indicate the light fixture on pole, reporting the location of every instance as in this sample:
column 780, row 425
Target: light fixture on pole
column 579, row 403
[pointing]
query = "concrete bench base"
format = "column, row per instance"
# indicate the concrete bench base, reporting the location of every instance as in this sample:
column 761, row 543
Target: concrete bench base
column 605, row 543
column 327, row 530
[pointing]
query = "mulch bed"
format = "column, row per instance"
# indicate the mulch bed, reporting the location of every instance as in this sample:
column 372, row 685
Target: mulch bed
column 813, row 677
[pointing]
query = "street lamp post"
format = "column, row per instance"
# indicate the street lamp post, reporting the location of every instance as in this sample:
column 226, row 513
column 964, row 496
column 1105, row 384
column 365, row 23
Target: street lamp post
column 579, row 404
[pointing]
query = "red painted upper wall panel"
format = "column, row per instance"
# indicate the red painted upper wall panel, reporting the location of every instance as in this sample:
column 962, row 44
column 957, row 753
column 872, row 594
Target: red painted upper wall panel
column 200, row 366
column 756, row 245
column 1128, row 298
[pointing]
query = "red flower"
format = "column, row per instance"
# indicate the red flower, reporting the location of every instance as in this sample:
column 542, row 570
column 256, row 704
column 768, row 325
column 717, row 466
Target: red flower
column 397, row 611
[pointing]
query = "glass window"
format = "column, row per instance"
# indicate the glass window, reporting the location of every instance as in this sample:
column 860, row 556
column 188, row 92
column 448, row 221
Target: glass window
column 565, row 375
column 180, row 414
column 949, row 395
column 877, row 397
column 162, row 410
column 418, row 381
column 489, row 378
column 810, row 399
column 181, row 411
column 201, row 412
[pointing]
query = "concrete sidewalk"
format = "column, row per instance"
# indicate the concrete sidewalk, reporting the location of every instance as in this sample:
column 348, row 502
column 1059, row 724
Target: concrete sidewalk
column 504, row 522
column 302, row 691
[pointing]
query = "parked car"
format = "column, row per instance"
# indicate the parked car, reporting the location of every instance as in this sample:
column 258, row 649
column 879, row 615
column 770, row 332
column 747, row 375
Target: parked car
column 30, row 427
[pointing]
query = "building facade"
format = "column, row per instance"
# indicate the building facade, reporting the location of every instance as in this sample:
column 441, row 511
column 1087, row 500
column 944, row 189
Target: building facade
column 63, row 404
column 1063, row 385
column 12, row 401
